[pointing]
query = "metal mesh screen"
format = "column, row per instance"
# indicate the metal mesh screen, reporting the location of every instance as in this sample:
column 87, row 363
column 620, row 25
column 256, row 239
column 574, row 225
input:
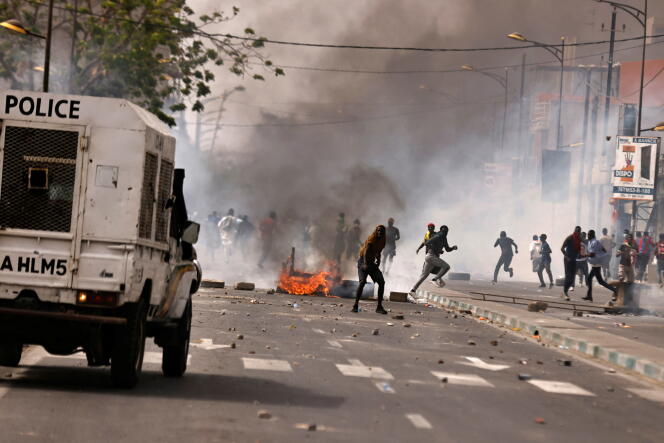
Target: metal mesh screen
column 147, row 196
column 43, row 203
column 165, row 179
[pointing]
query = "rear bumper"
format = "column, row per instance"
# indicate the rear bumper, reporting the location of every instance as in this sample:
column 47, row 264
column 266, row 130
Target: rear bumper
column 64, row 316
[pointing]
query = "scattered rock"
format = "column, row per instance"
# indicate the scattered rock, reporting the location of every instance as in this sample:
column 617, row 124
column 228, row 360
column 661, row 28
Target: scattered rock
column 263, row 330
column 443, row 380
column 398, row 317
column 264, row 414
column 240, row 337
column 390, row 324
column 494, row 342
column 611, row 371
column 524, row 377
column 268, row 347
column 233, row 346
column 406, row 325
column 471, row 343
column 375, row 332
column 610, row 389
column 537, row 306
column 292, row 327
column 440, row 362
column 540, row 421
column 523, row 361
column 539, row 362
column 565, row 362
column 270, row 291
column 354, row 334
column 312, row 427
column 252, row 352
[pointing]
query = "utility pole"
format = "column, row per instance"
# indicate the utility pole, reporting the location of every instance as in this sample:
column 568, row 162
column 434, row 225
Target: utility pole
column 522, row 94
column 607, row 103
column 47, row 56
column 584, row 147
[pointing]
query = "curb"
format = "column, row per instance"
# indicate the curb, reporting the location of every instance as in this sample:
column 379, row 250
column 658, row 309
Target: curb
column 554, row 337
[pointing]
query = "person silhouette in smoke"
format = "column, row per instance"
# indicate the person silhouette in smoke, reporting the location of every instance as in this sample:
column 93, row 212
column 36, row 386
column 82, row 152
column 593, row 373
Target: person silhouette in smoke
column 506, row 255
column 368, row 265
column 267, row 230
column 392, row 235
column 340, row 238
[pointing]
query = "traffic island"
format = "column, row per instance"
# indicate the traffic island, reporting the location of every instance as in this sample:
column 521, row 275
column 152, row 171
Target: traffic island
column 628, row 354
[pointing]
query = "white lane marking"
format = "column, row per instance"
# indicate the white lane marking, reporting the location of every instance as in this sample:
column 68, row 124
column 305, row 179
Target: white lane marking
column 307, row 319
column 364, row 371
column 418, row 421
column 264, row 364
column 462, row 379
column 355, row 362
column 385, row 387
column 318, row 331
column 335, row 344
column 479, row 363
column 649, row 394
column 207, row 344
column 560, row 387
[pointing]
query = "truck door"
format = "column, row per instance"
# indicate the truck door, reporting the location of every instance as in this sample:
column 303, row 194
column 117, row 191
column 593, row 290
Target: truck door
column 40, row 185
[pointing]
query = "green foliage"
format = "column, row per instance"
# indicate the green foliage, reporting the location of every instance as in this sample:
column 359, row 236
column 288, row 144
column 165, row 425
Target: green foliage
column 153, row 52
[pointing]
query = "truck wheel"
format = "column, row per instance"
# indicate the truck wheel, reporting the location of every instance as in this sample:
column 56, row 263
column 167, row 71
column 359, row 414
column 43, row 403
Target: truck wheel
column 128, row 349
column 174, row 360
column 10, row 354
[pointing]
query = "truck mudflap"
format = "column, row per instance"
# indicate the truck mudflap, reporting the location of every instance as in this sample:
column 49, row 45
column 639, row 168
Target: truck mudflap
column 65, row 316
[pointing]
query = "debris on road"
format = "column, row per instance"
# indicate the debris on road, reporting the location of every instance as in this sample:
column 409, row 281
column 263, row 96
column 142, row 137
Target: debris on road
column 524, row 377
column 355, row 334
column 537, row 306
column 213, row 284
column 253, row 301
column 233, row 346
column 398, row 317
column 270, row 291
column 401, row 297
column 565, row 362
column 443, row 380
column 244, row 286
column 390, row 324
column 375, row 332
column 240, row 337
column 440, row 362
column 540, row 421
column 471, row 343
column 292, row 327
column 264, row 414
column 523, row 361
column 621, row 325
column 407, row 325
column 494, row 342
column 578, row 313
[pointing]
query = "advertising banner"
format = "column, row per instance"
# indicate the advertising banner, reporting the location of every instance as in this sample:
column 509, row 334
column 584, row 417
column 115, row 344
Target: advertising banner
column 634, row 168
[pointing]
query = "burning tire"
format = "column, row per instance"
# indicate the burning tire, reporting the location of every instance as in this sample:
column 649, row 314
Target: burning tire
column 10, row 354
column 459, row 276
column 174, row 360
column 128, row 348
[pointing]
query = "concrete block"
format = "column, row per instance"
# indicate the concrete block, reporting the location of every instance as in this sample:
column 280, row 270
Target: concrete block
column 401, row 297
column 244, row 286
column 458, row 276
column 213, row 284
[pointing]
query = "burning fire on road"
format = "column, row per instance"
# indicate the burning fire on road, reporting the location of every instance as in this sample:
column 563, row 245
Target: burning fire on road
column 292, row 281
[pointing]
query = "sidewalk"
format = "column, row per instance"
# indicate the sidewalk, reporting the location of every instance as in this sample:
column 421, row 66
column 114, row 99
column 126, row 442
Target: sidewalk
column 645, row 359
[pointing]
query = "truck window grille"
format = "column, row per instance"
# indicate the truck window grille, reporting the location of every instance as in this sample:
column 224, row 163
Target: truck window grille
column 165, row 182
column 46, row 206
column 147, row 196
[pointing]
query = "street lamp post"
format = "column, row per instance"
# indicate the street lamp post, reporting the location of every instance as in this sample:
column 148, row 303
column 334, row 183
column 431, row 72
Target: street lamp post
column 504, row 82
column 17, row 26
column 559, row 54
column 641, row 17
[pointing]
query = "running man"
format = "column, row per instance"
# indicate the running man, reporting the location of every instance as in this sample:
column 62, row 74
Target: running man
column 227, row 231
column 392, row 235
column 571, row 249
column 596, row 256
column 545, row 262
column 434, row 248
column 506, row 255
column 368, row 265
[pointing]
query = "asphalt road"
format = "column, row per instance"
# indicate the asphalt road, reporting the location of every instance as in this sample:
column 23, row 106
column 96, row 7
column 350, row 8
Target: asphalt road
column 307, row 362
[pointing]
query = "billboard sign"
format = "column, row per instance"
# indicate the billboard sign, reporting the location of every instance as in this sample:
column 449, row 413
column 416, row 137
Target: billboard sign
column 634, row 168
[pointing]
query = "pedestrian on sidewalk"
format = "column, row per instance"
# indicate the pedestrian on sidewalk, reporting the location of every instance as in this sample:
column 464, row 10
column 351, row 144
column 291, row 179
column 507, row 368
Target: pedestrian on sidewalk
column 434, row 248
column 608, row 243
column 582, row 261
column 627, row 254
column 545, row 262
column 645, row 247
column 535, row 252
column 506, row 255
column 571, row 249
column 368, row 265
column 596, row 256
column 392, row 235
column 431, row 231
column 660, row 259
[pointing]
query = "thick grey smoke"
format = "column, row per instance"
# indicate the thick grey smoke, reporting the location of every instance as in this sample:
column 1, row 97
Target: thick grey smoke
column 408, row 146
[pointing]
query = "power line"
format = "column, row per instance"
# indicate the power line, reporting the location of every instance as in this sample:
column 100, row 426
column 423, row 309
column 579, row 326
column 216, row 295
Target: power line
column 264, row 40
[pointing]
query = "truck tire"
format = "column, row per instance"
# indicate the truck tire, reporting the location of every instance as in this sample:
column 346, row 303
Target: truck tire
column 128, row 348
column 174, row 359
column 10, row 354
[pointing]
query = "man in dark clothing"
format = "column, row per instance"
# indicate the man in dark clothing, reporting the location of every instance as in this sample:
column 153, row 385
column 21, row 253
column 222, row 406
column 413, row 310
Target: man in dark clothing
column 506, row 255
column 340, row 238
column 645, row 246
column 434, row 248
column 368, row 265
column 596, row 256
column 545, row 262
column 353, row 242
column 392, row 235
column 571, row 249
column 245, row 230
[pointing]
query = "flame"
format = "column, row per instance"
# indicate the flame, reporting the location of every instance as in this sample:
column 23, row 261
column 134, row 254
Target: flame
column 303, row 283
